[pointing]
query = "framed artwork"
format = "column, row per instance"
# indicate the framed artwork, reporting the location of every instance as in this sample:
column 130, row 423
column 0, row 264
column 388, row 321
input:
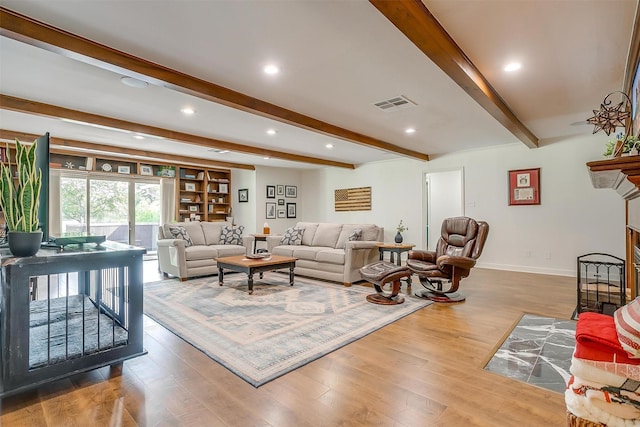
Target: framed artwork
column 291, row 191
column 124, row 169
column 243, row 195
column 271, row 210
column 189, row 186
column 635, row 99
column 279, row 190
column 271, row 192
column 146, row 170
column 282, row 213
column 280, row 202
column 223, row 188
column 193, row 208
column 291, row 210
column 524, row 187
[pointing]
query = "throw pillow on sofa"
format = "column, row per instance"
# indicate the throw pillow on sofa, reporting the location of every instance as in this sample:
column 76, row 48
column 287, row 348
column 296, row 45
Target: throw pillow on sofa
column 231, row 235
column 292, row 236
column 178, row 232
column 354, row 235
column 627, row 320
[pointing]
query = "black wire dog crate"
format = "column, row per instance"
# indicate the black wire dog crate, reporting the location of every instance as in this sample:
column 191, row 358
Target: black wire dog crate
column 600, row 283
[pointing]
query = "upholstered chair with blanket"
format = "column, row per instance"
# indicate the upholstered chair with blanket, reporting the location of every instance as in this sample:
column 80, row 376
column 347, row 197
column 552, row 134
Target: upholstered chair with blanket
column 461, row 243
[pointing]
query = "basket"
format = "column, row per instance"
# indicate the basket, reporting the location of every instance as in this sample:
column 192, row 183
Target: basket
column 573, row 421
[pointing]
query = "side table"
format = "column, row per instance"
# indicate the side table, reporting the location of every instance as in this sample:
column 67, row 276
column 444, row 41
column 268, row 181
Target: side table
column 395, row 249
column 258, row 238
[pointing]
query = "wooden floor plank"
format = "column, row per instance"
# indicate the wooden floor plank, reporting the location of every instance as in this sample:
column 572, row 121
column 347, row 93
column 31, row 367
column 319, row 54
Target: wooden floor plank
column 424, row 369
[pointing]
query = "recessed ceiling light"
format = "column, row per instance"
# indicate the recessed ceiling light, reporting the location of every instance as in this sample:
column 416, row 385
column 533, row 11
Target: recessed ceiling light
column 138, row 136
column 266, row 158
column 271, row 69
column 409, row 130
column 329, row 146
column 188, row 111
column 512, row 66
column 272, row 131
column 132, row 82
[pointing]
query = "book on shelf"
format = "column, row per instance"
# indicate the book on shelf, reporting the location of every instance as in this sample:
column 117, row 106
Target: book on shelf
column 200, row 176
column 189, row 176
column 185, row 199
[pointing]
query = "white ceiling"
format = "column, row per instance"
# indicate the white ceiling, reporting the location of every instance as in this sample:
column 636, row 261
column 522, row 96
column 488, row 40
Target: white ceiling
column 337, row 58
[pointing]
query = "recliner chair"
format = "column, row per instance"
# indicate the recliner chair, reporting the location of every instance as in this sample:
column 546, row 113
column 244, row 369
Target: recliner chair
column 458, row 248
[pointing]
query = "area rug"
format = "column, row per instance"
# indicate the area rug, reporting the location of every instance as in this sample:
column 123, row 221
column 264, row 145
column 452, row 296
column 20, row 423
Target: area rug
column 279, row 328
column 537, row 351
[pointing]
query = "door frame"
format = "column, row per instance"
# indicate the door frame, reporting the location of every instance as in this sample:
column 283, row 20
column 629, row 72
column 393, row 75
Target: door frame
column 426, row 196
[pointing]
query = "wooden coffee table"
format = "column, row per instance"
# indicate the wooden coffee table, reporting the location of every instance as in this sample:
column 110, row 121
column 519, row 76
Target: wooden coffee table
column 243, row 264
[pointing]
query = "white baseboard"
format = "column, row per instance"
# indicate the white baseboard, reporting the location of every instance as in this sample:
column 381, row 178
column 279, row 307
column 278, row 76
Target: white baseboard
column 529, row 269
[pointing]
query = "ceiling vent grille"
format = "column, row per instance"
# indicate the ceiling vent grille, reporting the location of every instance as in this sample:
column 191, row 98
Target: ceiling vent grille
column 396, row 103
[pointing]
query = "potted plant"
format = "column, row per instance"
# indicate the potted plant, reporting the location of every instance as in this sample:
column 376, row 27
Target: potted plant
column 19, row 199
column 400, row 228
column 622, row 145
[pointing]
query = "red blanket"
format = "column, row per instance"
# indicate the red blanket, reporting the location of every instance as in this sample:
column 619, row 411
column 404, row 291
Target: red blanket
column 597, row 339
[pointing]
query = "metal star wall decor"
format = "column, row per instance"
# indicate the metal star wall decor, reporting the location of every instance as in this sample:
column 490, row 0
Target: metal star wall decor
column 608, row 118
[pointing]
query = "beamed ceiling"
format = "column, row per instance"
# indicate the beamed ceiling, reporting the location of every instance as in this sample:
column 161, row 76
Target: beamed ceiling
column 65, row 60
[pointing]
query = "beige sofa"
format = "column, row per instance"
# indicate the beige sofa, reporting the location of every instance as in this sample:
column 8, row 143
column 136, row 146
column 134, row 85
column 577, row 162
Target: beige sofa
column 326, row 253
column 178, row 259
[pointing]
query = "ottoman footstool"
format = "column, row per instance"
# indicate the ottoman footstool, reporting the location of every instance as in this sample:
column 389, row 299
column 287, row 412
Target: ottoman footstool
column 381, row 273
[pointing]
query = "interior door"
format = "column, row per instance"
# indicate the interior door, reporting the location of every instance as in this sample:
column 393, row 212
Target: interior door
column 445, row 199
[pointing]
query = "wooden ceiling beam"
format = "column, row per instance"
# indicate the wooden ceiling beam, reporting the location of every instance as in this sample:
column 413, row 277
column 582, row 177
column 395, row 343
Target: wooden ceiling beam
column 36, row 33
column 73, row 147
column 415, row 21
column 32, row 107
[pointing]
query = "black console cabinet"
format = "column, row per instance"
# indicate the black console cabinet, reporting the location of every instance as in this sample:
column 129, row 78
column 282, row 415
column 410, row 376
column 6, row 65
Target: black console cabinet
column 68, row 311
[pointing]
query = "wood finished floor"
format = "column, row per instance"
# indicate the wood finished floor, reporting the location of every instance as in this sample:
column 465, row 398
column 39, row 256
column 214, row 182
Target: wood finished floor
column 423, row 370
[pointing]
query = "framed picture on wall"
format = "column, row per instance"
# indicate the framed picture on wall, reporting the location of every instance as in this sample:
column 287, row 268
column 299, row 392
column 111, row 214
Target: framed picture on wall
column 524, row 187
column 280, row 202
column 271, row 192
column 279, row 190
column 243, row 195
column 291, row 191
column 282, row 213
column 635, row 99
column 271, row 210
column 146, row 170
column 291, row 210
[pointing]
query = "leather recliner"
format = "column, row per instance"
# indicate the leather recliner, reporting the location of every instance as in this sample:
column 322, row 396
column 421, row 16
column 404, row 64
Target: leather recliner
column 461, row 243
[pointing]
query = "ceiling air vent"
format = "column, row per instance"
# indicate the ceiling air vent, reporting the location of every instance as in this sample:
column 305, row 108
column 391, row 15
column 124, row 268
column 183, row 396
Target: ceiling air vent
column 395, row 103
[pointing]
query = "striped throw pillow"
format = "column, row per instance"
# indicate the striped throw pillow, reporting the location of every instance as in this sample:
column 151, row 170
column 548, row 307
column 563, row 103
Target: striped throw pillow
column 627, row 320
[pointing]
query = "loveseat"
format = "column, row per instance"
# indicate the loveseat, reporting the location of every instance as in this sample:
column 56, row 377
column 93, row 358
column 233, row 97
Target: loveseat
column 189, row 249
column 329, row 251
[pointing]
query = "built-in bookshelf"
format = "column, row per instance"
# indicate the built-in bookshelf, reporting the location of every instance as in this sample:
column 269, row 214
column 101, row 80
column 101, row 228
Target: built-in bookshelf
column 203, row 194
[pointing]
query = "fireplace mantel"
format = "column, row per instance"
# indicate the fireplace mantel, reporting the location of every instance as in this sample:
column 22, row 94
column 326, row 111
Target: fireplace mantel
column 621, row 174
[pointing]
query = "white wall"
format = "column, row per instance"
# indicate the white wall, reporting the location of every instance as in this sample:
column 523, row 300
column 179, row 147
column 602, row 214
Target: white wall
column 572, row 219
column 244, row 213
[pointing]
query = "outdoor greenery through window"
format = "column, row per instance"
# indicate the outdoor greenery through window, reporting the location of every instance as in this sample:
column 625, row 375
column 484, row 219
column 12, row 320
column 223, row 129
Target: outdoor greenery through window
column 111, row 205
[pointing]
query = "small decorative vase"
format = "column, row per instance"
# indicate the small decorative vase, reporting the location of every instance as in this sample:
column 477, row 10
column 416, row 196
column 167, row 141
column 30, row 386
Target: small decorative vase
column 398, row 238
column 24, row 243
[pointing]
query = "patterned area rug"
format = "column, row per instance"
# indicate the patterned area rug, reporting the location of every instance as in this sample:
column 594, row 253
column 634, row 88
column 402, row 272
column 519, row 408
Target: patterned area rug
column 279, row 328
column 537, row 351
